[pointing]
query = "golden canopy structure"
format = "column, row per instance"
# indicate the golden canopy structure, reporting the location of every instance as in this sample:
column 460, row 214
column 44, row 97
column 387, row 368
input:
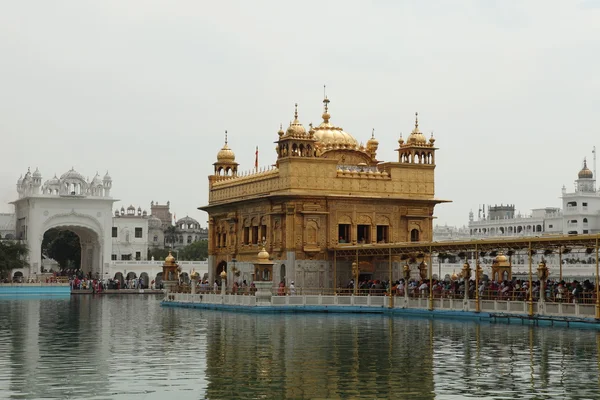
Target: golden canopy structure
column 501, row 268
column 170, row 269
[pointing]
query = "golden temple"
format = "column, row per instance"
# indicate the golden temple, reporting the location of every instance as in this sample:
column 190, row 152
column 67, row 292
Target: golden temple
column 325, row 191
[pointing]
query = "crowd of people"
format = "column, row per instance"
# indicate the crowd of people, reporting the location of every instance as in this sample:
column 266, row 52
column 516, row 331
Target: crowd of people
column 515, row 289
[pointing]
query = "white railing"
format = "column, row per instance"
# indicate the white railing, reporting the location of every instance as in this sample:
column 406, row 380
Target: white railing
column 550, row 309
column 156, row 262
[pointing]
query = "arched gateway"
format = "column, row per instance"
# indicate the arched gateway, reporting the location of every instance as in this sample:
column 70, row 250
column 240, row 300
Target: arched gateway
column 66, row 203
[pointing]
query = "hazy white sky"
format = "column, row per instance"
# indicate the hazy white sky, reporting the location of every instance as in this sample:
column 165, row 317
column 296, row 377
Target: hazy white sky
column 145, row 89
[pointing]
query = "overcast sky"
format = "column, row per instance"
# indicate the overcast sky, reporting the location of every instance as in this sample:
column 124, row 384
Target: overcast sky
column 145, row 90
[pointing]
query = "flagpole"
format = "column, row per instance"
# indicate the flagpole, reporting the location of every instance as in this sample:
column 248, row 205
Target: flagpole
column 256, row 160
column 595, row 177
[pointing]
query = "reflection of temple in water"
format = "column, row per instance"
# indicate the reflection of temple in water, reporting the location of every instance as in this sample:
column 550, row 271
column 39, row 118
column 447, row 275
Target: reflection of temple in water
column 290, row 354
column 316, row 356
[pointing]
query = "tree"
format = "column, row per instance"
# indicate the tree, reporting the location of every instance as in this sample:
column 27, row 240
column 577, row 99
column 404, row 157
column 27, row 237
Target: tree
column 158, row 254
column 62, row 246
column 196, row 251
column 12, row 255
column 171, row 235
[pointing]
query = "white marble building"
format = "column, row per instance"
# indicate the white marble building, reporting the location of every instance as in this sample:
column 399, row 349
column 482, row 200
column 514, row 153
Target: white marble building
column 112, row 243
column 69, row 202
column 580, row 214
column 130, row 234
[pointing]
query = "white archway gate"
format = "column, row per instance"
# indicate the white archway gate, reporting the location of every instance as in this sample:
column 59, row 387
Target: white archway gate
column 91, row 247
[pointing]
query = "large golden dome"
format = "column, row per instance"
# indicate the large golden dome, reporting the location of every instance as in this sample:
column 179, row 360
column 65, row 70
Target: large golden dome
column 416, row 137
column 225, row 154
column 585, row 172
column 333, row 137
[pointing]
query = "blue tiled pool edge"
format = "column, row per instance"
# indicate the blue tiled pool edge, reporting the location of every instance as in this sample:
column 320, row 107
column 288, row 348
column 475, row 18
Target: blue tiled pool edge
column 582, row 323
column 29, row 290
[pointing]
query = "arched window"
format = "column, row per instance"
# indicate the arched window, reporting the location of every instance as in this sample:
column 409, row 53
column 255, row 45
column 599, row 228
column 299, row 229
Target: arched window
column 189, row 239
column 585, row 220
column 414, row 235
column 155, row 238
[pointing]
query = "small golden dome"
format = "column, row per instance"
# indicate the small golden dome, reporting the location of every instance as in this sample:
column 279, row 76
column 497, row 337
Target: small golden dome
column 281, row 132
column 263, row 255
column 170, row 259
column 296, row 129
column 501, row 258
column 401, row 140
column 431, row 139
column 416, row 137
column 372, row 143
column 225, row 154
column 223, row 274
column 585, row 172
column 454, row 276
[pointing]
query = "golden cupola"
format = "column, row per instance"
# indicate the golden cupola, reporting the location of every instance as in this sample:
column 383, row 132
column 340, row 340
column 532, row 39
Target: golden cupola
column 372, row 146
column 416, row 137
column 416, row 149
column 225, row 165
column 295, row 141
column 296, row 129
column 332, row 137
column 225, row 154
column 585, row 172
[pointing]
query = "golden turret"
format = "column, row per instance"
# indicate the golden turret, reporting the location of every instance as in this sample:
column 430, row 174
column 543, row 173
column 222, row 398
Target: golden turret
column 225, row 154
column 416, row 137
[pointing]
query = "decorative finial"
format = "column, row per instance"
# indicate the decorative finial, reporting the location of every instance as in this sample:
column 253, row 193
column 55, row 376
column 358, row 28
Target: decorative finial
column 373, row 134
column 326, row 102
column 295, row 112
column 416, row 120
column 225, row 136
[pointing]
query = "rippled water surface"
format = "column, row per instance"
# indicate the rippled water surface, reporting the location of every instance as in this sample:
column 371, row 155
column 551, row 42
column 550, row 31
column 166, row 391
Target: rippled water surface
column 128, row 347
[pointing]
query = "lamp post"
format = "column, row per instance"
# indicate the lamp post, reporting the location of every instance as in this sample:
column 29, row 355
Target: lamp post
column 355, row 271
column 234, row 270
column 223, row 280
column 530, row 301
column 406, row 270
column 542, row 273
column 466, row 273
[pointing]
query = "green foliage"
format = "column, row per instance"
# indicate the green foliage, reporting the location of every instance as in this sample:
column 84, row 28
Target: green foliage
column 63, row 246
column 158, row 254
column 170, row 235
column 12, row 255
column 196, row 251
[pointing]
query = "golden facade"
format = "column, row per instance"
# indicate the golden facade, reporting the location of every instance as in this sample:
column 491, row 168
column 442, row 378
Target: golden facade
column 325, row 191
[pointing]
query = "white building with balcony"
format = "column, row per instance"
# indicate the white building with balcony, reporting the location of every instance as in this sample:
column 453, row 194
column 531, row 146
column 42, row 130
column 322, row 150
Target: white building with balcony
column 580, row 214
column 130, row 234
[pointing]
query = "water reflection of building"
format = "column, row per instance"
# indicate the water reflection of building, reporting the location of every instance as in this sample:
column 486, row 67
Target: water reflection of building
column 289, row 356
column 325, row 190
